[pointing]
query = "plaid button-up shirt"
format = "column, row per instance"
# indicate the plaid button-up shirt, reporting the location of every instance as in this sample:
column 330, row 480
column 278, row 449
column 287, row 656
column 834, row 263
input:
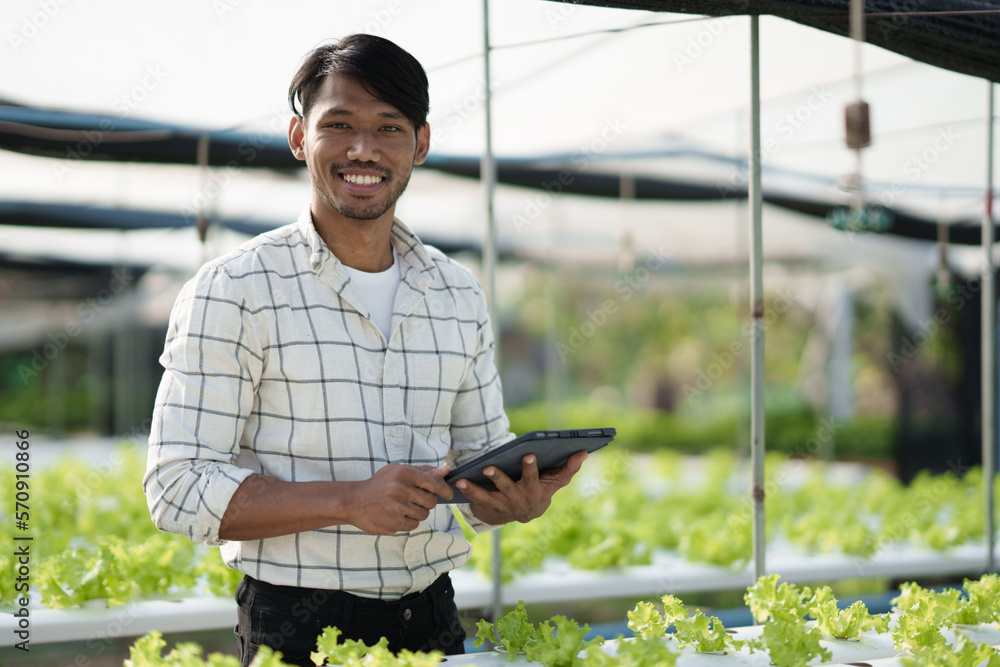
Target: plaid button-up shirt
column 273, row 366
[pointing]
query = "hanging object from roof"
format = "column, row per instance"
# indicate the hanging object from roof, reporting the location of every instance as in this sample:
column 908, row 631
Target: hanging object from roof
column 860, row 217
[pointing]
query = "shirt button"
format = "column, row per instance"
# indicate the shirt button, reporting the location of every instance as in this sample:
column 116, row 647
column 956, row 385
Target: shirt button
column 394, row 432
column 407, row 614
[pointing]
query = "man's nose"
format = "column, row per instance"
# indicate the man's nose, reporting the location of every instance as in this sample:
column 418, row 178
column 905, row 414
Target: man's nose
column 363, row 148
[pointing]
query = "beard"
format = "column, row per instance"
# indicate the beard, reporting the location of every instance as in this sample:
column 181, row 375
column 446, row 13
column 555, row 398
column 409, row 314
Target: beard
column 369, row 208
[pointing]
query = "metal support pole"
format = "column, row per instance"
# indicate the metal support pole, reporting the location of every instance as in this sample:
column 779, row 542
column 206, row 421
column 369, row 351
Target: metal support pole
column 123, row 360
column 201, row 225
column 989, row 341
column 857, row 31
column 488, row 173
column 756, row 306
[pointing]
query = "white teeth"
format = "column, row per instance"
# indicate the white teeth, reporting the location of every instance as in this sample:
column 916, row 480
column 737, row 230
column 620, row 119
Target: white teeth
column 362, row 180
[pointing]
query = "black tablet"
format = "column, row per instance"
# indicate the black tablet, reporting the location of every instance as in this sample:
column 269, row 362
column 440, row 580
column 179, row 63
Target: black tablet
column 551, row 448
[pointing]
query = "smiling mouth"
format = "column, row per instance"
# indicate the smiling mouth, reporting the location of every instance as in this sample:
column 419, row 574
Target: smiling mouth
column 359, row 179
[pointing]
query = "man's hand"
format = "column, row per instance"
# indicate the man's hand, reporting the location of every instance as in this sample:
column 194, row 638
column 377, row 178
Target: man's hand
column 397, row 498
column 524, row 500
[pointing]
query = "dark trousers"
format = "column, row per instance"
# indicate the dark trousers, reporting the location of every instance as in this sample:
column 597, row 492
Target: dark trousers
column 288, row 619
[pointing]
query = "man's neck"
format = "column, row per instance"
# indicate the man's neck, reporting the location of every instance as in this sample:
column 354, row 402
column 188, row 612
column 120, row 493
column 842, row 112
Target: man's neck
column 360, row 244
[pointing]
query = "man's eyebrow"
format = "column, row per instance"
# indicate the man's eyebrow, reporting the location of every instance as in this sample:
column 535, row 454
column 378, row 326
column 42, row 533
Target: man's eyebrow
column 394, row 115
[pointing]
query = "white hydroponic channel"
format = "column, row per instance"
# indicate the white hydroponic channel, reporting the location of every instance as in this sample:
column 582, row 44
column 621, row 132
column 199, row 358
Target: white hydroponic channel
column 558, row 582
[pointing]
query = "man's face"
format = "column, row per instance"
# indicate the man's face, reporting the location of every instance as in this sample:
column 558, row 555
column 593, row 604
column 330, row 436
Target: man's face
column 359, row 149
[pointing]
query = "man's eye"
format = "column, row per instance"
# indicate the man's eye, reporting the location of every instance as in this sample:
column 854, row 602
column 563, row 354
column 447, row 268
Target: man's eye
column 391, row 128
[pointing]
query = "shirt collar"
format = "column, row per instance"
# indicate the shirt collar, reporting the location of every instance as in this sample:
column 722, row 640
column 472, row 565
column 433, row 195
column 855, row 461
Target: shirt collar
column 418, row 268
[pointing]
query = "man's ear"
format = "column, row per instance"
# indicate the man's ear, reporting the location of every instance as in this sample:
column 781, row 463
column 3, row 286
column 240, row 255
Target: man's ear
column 423, row 144
column 296, row 133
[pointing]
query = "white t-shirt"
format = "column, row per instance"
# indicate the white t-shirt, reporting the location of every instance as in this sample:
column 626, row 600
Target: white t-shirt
column 378, row 292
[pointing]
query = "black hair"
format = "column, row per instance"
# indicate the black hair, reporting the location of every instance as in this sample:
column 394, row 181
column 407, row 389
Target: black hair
column 389, row 72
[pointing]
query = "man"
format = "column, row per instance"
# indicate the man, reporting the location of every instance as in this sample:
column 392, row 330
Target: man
column 320, row 380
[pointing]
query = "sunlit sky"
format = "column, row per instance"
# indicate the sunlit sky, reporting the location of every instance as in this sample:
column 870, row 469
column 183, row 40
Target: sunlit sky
column 227, row 63
column 224, row 63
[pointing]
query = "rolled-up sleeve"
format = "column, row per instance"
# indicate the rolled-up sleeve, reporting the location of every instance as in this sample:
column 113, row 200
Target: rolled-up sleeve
column 479, row 422
column 212, row 362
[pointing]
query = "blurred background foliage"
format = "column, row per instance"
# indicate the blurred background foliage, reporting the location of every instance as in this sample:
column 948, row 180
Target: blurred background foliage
column 668, row 364
column 659, row 355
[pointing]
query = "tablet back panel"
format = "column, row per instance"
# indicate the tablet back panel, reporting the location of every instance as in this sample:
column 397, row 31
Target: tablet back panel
column 551, row 448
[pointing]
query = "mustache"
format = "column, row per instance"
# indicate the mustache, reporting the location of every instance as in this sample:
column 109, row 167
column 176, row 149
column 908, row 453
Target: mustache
column 346, row 166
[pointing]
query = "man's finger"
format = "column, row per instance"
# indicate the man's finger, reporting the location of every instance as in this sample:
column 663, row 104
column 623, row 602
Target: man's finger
column 565, row 473
column 475, row 493
column 444, row 490
column 529, row 469
column 440, row 471
column 418, row 513
column 500, row 479
column 426, row 500
column 575, row 462
column 432, row 481
column 439, row 487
